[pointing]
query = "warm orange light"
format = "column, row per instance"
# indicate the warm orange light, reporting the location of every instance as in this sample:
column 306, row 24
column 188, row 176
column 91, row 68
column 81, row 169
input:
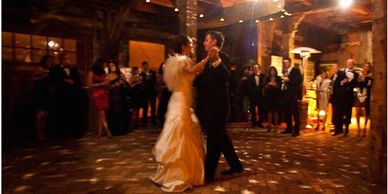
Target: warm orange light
column 322, row 113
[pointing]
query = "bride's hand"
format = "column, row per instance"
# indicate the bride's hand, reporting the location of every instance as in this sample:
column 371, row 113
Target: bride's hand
column 213, row 53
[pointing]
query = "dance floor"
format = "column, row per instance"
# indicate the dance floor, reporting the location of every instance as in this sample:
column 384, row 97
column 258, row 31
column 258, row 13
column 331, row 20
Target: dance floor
column 314, row 162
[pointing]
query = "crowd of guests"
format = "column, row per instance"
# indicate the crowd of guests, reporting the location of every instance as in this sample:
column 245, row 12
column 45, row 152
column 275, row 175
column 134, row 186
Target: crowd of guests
column 274, row 98
column 61, row 107
column 254, row 97
column 346, row 89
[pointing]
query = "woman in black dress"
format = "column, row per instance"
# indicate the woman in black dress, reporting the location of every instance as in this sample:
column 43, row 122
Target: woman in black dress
column 363, row 96
column 272, row 97
column 118, row 93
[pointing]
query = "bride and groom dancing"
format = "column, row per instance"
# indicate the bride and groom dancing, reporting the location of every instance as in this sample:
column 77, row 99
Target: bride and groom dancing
column 179, row 150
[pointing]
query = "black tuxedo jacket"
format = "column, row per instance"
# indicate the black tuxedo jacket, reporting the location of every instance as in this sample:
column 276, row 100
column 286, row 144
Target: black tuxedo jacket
column 64, row 90
column 149, row 81
column 211, row 85
column 256, row 91
column 344, row 92
column 293, row 86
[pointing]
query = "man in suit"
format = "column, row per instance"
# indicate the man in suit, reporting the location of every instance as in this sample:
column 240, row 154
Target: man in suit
column 334, row 115
column 67, row 110
column 149, row 92
column 291, row 93
column 343, row 87
column 212, row 109
column 256, row 85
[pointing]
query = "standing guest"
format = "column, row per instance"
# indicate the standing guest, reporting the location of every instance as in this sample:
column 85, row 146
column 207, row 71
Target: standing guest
column 136, row 96
column 212, row 102
column 291, row 93
column 149, row 91
column 243, row 94
column 233, row 86
column 256, row 100
column 42, row 96
column 67, row 115
column 164, row 96
column 331, row 98
column 118, row 98
column 345, row 82
column 323, row 95
column 100, row 95
column 363, row 95
column 272, row 97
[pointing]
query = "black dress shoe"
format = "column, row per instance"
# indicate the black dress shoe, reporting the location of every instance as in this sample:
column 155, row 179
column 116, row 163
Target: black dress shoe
column 231, row 171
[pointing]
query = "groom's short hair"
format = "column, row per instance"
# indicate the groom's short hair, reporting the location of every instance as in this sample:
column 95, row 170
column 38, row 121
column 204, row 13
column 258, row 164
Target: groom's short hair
column 218, row 36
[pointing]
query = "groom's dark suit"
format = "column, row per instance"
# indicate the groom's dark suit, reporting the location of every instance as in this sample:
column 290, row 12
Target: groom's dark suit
column 212, row 106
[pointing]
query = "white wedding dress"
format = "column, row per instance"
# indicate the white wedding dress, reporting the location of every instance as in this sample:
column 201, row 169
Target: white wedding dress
column 179, row 150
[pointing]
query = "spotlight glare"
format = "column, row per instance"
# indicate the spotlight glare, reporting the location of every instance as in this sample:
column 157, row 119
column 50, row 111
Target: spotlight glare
column 147, row 1
column 222, row 19
column 257, row 21
column 176, row 9
column 201, row 15
column 282, row 16
column 240, row 21
column 270, row 19
column 345, row 3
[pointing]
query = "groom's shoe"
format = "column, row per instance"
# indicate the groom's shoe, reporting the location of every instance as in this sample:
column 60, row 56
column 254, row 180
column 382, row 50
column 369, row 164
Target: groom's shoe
column 231, row 171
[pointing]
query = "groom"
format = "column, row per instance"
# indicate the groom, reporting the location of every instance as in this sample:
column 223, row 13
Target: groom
column 212, row 108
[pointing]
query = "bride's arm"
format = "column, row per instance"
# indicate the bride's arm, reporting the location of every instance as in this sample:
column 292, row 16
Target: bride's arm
column 197, row 67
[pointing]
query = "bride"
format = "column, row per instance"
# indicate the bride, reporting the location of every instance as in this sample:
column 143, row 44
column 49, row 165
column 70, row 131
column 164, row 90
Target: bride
column 179, row 150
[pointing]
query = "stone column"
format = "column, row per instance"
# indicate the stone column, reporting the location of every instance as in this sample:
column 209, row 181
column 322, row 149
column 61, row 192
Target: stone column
column 188, row 18
column 378, row 131
column 265, row 31
column 290, row 41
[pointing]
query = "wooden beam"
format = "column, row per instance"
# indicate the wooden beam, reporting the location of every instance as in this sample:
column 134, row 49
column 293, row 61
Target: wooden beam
column 164, row 3
column 147, row 34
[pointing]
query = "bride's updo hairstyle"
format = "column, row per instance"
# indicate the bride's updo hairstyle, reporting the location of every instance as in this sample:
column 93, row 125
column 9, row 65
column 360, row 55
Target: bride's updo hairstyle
column 175, row 44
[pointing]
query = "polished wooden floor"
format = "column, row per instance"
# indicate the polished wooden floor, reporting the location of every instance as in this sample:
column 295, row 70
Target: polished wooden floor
column 314, row 162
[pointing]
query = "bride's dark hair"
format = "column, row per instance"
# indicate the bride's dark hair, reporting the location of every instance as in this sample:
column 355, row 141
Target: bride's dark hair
column 175, row 43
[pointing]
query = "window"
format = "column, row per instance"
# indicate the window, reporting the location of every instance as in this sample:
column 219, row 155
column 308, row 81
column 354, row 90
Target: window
column 28, row 48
